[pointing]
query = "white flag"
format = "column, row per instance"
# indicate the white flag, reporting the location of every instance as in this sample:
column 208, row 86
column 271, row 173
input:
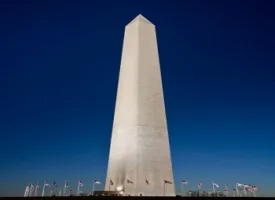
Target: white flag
column 215, row 184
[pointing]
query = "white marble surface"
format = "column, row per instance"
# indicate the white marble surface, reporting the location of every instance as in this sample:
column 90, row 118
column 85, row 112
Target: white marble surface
column 140, row 146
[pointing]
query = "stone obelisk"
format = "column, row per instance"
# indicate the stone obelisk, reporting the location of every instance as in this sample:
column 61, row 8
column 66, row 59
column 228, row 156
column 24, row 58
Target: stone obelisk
column 139, row 159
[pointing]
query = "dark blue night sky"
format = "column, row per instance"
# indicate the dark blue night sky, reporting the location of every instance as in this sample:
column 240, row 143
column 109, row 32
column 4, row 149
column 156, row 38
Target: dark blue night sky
column 59, row 65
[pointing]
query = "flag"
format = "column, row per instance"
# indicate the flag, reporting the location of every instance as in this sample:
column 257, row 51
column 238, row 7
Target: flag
column 255, row 188
column 199, row 184
column 111, row 182
column 97, row 182
column 146, row 181
column 184, row 182
column 54, row 183
column 234, row 189
column 46, row 184
column 215, row 184
column 66, row 184
column 240, row 185
column 80, row 183
column 131, row 182
column 37, row 186
column 168, row 182
column 249, row 188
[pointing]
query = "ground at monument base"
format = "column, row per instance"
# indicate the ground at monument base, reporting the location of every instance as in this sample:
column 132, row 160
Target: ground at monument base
column 132, row 198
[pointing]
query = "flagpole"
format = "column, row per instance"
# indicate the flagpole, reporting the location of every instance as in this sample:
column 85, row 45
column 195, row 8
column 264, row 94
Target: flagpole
column 164, row 189
column 244, row 188
column 30, row 191
column 226, row 192
column 64, row 190
column 145, row 188
column 53, row 188
column 198, row 189
column 77, row 189
column 26, row 190
column 188, row 189
column 213, row 187
column 35, row 190
column 237, row 191
column 38, row 187
column 43, row 189
column 109, row 185
column 93, row 188
column 60, row 192
column 125, row 185
column 182, row 189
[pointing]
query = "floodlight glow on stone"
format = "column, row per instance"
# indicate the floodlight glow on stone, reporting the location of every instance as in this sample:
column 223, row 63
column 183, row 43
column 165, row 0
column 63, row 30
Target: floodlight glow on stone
column 119, row 188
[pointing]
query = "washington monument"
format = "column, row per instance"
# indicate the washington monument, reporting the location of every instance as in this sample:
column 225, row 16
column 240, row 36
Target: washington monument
column 139, row 159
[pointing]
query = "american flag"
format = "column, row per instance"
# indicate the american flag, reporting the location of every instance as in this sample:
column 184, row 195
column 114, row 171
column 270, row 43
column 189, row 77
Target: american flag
column 215, row 184
column 240, row 185
column 146, row 181
column 184, row 182
column 97, row 182
column 200, row 184
column 80, row 183
column 255, row 188
column 54, row 183
column 37, row 186
column 168, row 182
column 47, row 184
column 111, row 182
column 66, row 184
column 131, row 182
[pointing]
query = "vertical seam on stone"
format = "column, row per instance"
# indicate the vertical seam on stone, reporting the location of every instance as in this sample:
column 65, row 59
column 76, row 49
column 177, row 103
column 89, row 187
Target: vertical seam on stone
column 138, row 54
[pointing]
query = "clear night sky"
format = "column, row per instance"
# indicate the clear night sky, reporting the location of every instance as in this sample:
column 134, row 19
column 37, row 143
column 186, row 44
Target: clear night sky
column 59, row 65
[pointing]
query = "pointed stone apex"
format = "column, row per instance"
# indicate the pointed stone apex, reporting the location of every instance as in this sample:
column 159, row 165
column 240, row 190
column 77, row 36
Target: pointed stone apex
column 140, row 18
